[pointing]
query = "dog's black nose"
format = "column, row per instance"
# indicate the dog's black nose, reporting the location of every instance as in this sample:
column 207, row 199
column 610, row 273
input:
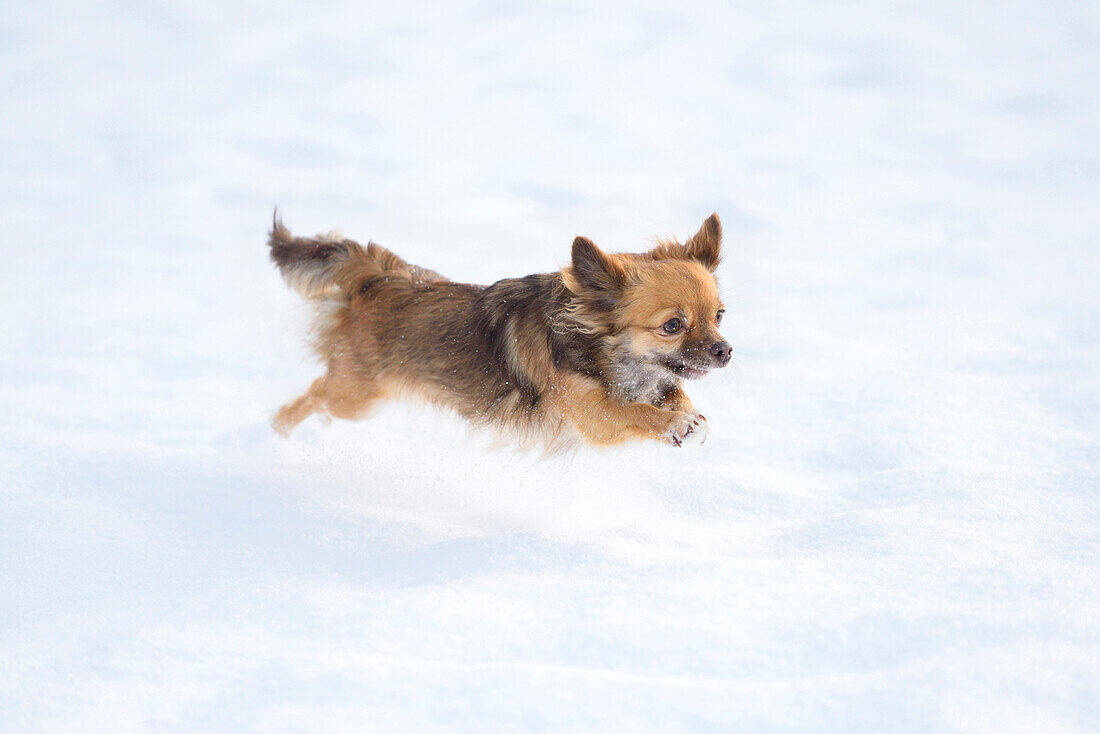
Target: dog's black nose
column 721, row 351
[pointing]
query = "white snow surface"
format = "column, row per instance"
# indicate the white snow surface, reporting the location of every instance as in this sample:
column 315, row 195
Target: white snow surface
column 893, row 527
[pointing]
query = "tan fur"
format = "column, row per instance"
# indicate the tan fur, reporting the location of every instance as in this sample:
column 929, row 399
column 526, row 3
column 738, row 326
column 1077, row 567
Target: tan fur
column 547, row 359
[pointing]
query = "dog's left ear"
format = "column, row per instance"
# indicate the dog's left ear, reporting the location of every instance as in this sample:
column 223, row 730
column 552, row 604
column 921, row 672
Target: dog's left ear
column 595, row 269
column 706, row 245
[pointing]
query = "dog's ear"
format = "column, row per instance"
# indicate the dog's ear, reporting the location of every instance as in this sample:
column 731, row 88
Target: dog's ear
column 595, row 269
column 706, row 245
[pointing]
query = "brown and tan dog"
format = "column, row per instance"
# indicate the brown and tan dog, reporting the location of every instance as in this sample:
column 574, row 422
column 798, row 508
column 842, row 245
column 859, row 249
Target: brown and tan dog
column 595, row 352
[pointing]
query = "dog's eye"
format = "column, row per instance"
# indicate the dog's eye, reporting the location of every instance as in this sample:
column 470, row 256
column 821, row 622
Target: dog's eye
column 718, row 317
column 672, row 326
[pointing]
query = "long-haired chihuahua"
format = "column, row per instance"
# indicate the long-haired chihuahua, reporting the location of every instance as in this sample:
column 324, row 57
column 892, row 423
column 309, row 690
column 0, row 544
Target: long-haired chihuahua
column 597, row 351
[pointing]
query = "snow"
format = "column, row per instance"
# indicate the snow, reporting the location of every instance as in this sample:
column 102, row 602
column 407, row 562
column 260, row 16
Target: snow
column 893, row 526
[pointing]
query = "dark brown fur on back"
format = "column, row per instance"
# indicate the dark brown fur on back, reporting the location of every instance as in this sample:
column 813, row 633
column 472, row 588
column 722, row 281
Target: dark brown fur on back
column 545, row 359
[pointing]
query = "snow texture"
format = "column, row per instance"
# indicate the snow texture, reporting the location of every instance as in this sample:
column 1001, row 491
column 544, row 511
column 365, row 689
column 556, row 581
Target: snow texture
column 893, row 527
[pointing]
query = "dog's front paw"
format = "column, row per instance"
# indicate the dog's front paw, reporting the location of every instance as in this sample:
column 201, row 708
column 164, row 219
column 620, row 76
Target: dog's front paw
column 687, row 428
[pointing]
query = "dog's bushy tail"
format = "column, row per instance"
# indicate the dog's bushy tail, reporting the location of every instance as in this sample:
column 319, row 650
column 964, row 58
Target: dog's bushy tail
column 329, row 266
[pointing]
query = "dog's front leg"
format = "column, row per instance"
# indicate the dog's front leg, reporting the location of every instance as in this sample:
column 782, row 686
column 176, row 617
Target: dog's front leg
column 602, row 420
column 675, row 399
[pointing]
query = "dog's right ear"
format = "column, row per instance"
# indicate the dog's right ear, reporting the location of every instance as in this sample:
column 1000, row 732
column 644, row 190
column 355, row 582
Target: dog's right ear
column 595, row 269
column 706, row 245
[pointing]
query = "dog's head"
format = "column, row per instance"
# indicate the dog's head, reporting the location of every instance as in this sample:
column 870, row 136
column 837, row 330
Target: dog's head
column 659, row 311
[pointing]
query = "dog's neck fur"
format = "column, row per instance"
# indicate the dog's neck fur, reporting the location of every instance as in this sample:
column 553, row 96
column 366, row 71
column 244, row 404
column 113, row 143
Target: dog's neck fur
column 631, row 381
column 577, row 341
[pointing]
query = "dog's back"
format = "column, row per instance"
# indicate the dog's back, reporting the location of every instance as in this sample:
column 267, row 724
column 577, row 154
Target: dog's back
column 390, row 329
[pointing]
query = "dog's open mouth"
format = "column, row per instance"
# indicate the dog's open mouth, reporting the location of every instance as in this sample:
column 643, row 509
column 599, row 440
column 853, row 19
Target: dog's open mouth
column 682, row 369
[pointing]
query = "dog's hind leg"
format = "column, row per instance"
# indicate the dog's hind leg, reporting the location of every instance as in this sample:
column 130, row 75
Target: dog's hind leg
column 350, row 396
column 300, row 408
column 333, row 395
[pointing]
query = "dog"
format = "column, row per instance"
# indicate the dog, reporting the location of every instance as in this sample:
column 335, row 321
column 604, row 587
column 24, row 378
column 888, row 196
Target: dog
column 595, row 353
